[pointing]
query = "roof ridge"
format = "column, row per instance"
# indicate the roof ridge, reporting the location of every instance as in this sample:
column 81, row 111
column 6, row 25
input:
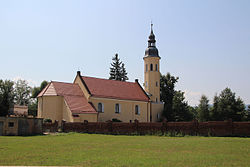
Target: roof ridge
column 109, row 79
column 64, row 82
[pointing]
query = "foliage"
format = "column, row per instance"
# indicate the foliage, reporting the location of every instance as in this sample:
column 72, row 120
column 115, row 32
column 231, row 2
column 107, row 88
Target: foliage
column 22, row 92
column 117, row 70
column 6, row 96
column 124, row 73
column 203, row 109
column 75, row 149
column 116, row 120
column 35, row 91
column 227, row 106
column 167, row 92
column 180, row 108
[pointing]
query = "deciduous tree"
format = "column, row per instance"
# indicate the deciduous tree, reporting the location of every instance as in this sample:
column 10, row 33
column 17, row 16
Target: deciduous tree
column 6, row 96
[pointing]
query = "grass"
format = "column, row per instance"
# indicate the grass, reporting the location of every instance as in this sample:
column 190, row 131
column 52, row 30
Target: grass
column 109, row 150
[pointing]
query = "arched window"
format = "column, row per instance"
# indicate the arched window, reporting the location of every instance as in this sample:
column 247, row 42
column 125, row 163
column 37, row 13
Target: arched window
column 146, row 67
column 151, row 67
column 156, row 67
column 156, row 99
column 100, row 107
column 137, row 110
column 117, row 108
column 156, row 84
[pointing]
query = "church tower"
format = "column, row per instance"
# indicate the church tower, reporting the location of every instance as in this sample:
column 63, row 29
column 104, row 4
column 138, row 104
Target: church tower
column 151, row 69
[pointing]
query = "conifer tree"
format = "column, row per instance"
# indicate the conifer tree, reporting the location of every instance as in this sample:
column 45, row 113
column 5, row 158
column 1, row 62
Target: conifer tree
column 117, row 70
column 124, row 73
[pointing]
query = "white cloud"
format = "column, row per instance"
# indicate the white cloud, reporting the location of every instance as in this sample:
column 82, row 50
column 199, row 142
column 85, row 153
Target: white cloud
column 192, row 97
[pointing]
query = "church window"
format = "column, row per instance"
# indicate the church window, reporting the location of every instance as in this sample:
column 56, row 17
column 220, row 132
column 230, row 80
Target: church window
column 137, row 110
column 156, row 100
column 117, row 108
column 156, row 67
column 156, row 84
column 146, row 67
column 151, row 67
column 100, row 107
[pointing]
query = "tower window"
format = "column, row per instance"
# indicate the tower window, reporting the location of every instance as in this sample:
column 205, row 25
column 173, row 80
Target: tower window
column 156, row 84
column 156, row 100
column 137, row 110
column 146, row 84
column 151, row 67
column 156, row 67
column 146, row 67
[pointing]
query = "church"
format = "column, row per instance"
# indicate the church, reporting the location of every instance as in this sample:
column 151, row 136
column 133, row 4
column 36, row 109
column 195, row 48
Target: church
column 100, row 100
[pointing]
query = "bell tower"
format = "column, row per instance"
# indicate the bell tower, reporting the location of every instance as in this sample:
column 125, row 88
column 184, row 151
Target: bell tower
column 151, row 69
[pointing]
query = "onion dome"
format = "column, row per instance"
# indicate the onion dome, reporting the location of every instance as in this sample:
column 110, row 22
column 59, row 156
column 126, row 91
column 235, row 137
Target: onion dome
column 151, row 51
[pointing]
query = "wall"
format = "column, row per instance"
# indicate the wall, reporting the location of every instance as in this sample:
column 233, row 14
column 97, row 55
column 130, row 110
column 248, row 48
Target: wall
column 50, row 107
column 90, row 117
column 156, row 108
column 219, row 128
column 127, row 110
column 66, row 115
column 21, row 126
column 83, row 88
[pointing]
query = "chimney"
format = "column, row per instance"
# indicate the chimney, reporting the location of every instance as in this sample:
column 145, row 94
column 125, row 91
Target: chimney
column 79, row 73
column 136, row 80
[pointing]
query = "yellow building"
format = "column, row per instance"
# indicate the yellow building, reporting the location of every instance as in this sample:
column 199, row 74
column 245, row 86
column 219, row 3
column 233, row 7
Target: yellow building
column 100, row 100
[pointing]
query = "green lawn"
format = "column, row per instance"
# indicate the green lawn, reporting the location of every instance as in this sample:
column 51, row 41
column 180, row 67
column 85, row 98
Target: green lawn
column 109, row 150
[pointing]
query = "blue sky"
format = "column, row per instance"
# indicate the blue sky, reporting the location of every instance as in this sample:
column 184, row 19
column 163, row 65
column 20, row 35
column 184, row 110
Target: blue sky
column 205, row 43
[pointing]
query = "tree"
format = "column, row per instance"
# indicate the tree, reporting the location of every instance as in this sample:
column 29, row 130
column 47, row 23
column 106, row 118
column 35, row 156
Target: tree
column 37, row 90
column 22, row 92
column 203, row 109
column 34, row 104
column 180, row 108
column 117, row 70
column 167, row 92
column 124, row 73
column 6, row 96
column 227, row 106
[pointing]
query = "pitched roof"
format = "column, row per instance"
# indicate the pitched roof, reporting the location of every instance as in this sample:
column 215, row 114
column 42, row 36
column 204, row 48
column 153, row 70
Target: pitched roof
column 72, row 94
column 105, row 88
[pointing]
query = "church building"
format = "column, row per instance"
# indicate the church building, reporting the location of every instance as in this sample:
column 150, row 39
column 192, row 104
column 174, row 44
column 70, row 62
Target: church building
column 100, row 100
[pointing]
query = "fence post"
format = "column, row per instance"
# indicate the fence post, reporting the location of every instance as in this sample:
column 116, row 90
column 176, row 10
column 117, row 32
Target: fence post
column 136, row 126
column 86, row 125
column 110, row 126
column 164, row 126
column 63, row 125
column 230, row 126
column 196, row 126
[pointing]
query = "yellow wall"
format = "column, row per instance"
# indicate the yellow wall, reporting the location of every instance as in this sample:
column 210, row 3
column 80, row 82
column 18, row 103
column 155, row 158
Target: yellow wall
column 151, row 77
column 156, row 108
column 90, row 117
column 56, row 108
column 83, row 88
column 50, row 107
column 67, row 115
column 127, row 110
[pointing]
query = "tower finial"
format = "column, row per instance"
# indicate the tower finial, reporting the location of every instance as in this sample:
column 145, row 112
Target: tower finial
column 151, row 27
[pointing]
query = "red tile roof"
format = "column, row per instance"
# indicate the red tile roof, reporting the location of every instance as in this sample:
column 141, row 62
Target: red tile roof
column 105, row 88
column 73, row 96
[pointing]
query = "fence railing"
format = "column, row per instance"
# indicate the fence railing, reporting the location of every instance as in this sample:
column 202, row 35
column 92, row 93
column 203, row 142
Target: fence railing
column 211, row 128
